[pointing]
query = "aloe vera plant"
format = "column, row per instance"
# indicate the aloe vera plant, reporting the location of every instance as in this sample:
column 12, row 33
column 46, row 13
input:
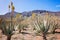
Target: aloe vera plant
column 7, row 30
column 41, row 27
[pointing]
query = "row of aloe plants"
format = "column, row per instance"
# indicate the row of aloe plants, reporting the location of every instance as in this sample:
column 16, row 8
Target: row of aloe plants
column 40, row 25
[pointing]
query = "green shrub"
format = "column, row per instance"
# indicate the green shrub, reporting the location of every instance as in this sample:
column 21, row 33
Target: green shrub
column 21, row 27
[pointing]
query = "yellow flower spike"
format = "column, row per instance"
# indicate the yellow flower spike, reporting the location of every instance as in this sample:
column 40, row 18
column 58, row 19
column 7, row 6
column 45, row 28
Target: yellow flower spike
column 13, row 8
column 33, row 15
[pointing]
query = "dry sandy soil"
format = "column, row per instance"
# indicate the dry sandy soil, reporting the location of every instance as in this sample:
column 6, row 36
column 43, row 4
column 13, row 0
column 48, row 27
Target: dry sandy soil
column 20, row 36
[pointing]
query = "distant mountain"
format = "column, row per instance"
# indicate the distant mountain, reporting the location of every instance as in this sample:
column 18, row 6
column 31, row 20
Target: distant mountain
column 40, row 12
column 34, row 11
column 7, row 15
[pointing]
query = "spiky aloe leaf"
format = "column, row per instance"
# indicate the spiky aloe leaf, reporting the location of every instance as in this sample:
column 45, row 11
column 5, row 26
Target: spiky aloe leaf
column 36, row 26
column 47, row 29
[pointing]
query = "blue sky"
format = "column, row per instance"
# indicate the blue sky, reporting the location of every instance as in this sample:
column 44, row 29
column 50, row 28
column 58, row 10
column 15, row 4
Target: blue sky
column 29, row 5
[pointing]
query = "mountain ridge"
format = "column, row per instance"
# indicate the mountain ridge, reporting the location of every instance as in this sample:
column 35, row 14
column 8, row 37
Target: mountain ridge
column 29, row 13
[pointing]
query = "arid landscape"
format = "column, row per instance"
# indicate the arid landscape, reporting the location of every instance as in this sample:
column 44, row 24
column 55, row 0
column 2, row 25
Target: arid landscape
column 29, row 27
column 34, row 24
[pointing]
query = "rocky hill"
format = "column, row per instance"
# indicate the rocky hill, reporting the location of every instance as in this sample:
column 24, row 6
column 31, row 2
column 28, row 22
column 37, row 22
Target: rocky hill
column 7, row 15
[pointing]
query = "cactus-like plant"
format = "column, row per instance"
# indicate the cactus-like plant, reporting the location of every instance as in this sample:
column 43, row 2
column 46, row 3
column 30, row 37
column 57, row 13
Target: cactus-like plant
column 7, row 30
column 41, row 27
